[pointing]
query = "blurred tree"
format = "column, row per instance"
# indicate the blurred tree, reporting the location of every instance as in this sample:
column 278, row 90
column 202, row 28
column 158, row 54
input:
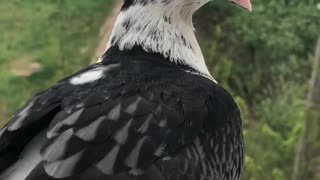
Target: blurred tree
column 307, row 162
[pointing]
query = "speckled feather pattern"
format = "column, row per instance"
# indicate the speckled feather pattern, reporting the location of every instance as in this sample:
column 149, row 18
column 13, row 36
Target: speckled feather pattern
column 145, row 118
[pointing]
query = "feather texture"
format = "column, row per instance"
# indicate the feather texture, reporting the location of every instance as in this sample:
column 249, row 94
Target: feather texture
column 142, row 119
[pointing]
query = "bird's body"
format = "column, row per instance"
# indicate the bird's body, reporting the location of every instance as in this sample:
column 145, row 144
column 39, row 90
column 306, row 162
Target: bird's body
column 139, row 114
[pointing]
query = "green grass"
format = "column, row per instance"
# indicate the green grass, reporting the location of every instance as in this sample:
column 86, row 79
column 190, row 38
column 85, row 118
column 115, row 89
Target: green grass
column 61, row 35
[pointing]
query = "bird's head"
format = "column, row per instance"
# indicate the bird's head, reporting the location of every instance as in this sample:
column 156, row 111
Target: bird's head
column 165, row 27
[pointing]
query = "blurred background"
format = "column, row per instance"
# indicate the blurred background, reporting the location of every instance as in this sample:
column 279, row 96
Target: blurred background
column 267, row 59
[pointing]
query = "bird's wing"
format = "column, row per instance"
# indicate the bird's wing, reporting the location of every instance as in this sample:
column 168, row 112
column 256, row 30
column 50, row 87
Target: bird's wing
column 32, row 118
column 110, row 125
column 115, row 133
column 26, row 124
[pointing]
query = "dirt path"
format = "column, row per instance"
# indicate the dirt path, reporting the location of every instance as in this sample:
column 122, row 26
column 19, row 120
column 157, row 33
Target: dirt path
column 105, row 31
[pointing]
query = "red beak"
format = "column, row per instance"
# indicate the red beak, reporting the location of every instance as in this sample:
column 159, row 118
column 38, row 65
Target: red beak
column 246, row 4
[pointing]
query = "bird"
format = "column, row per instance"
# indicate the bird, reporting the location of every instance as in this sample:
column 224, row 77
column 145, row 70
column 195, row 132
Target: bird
column 149, row 109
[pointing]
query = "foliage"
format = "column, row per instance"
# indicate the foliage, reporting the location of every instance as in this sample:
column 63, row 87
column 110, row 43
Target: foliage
column 59, row 35
column 264, row 59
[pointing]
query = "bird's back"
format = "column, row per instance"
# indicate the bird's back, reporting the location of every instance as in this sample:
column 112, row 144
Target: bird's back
column 133, row 116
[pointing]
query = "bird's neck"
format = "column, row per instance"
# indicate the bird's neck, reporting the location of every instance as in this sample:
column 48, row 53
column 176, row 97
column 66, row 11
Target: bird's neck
column 160, row 29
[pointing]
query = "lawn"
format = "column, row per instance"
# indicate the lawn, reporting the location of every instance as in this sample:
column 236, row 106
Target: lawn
column 43, row 41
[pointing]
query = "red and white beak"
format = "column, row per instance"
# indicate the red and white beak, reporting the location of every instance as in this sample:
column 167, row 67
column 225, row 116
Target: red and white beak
column 246, row 4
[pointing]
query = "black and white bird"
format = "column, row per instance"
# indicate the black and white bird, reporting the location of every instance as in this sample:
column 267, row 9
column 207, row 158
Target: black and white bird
column 149, row 110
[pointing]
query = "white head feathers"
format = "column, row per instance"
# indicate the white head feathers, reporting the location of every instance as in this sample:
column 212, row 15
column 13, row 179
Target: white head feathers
column 162, row 26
